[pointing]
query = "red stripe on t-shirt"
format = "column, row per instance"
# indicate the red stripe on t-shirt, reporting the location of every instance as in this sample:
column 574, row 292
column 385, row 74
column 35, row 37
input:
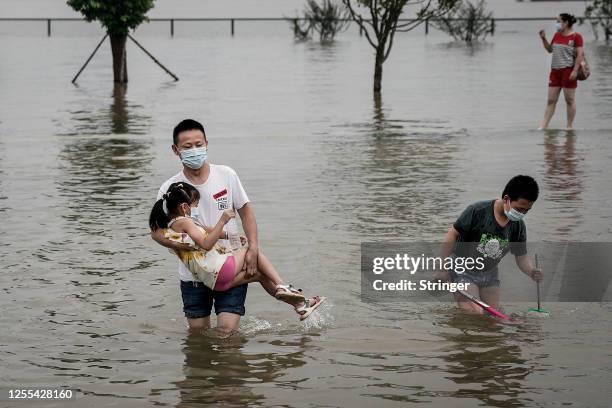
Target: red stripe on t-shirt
column 220, row 193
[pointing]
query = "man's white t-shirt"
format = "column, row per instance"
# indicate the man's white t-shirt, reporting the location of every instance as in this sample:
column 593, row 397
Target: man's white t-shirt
column 222, row 191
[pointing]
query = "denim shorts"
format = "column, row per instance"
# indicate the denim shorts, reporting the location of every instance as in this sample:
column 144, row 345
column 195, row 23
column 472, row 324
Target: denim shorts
column 482, row 279
column 198, row 300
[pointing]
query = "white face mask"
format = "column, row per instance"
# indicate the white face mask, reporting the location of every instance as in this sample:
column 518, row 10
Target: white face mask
column 558, row 26
column 512, row 214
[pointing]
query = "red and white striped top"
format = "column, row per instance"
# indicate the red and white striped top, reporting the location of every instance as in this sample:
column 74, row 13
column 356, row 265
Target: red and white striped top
column 564, row 49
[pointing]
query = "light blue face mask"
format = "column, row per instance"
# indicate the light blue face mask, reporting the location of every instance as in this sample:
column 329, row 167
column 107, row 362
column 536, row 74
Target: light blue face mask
column 558, row 26
column 195, row 213
column 512, row 214
column 194, row 158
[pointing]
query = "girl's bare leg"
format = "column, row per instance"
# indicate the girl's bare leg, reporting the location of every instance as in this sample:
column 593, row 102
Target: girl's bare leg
column 241, row 278
column 266, row 267
column 266, row 275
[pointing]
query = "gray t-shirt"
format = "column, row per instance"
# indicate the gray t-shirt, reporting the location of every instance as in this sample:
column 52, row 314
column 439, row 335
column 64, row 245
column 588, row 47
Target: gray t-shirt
column 481, row 236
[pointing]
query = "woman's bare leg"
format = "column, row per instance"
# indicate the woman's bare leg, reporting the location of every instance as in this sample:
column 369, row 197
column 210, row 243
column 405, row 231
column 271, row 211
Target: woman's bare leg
column 551, row 102
column 570, row 100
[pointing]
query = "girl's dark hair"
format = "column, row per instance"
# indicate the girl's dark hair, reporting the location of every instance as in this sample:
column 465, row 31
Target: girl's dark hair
column 177, row 194
column 568, row 18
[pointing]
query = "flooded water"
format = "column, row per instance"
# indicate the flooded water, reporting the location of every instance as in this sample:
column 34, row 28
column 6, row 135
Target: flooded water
column 91, row 303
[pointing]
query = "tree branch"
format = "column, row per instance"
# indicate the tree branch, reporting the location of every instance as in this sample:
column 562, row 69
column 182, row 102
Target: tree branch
column 359, row 20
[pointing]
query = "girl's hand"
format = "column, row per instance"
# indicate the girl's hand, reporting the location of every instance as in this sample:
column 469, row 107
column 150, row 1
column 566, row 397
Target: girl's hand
column 543, row 34
column 227, row 215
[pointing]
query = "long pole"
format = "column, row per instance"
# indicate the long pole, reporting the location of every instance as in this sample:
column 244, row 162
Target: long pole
column 153, row 58
column 89, row 59
column 538, row 282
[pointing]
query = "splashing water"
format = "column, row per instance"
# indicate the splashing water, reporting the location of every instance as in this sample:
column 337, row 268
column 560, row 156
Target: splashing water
column 253, row 325
column 320, row 318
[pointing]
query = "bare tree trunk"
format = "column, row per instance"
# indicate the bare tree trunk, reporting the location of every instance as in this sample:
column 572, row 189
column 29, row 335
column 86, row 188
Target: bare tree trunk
column 120, row 73
column 378, row 69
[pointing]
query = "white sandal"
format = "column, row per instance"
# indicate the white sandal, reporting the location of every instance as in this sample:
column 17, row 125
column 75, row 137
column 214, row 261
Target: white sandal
column 306, row 309
column 289, row 294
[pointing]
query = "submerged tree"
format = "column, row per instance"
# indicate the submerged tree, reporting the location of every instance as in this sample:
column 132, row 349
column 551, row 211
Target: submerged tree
column 326, row 18
column 118, row 17
column 600, row 11
column 466, row 22
column 381, row 20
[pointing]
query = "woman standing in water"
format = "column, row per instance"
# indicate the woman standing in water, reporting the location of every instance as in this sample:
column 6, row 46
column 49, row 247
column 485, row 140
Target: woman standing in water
column 567, row 51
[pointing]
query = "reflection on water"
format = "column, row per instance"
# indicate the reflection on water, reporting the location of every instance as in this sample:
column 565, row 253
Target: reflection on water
column 485, row 361
column 100, row 171
column 220, row 371
column 391, row 171
column 563, row 178
column 101, row 176
column 601, row 72
column 467, row 49
column 3, row 197
column 120, row 117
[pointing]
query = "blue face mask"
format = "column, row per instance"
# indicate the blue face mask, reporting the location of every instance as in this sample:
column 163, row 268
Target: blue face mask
column 194, row 158
column 513, row 215
column 195, row 213
column 558, row 26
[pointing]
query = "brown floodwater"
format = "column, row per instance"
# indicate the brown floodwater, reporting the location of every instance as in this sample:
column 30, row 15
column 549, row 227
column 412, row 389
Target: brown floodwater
column 89, row 302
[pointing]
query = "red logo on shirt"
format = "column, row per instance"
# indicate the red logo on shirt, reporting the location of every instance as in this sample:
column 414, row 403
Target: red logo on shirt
column 220, row 194
column 221, row 199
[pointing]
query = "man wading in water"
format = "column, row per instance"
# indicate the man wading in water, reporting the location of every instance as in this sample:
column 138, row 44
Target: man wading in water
column 220, row 190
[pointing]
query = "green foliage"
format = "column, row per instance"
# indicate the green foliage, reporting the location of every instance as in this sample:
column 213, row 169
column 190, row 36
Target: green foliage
column 601, row 13
column 326, row 18
column 117, row 16
column 466, row 21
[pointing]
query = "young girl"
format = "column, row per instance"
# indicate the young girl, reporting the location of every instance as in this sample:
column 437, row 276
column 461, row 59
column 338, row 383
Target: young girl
column 210, row 262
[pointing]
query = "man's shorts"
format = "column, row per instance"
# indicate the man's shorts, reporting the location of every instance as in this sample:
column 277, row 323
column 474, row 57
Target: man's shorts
column 198, row 300
column 482, row 279
column 561, row 78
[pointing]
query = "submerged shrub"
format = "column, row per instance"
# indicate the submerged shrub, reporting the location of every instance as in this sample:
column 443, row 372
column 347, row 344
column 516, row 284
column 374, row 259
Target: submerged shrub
column 466, row 22
column 326, row 19
column 600, row 11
